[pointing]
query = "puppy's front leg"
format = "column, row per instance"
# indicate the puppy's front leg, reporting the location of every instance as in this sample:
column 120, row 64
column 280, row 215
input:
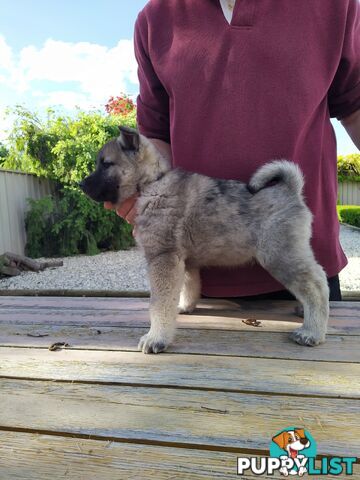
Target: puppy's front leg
column 166, row 275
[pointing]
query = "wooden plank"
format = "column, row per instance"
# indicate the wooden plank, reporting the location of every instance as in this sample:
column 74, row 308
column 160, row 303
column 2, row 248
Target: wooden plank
column 97, row 303
column 274, row 316
column 63, row 457
column 27, row 456
column 207, row 372
column 260, row 307
column 177, row 416
column 338, row 348
column 130, row 318
column 263, row 309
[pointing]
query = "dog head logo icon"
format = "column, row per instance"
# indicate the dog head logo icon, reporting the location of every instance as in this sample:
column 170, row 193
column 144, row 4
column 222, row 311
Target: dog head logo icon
column 293, row 446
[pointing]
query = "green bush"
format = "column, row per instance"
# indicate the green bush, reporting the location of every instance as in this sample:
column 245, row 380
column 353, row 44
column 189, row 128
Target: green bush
column 349, row 168
column 4, row 152
column 349, row 214
column 70, row 223
column 64, row 150
column 61, row 148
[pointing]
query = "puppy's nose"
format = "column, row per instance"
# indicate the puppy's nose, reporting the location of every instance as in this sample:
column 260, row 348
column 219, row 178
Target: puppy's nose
column 304, row 441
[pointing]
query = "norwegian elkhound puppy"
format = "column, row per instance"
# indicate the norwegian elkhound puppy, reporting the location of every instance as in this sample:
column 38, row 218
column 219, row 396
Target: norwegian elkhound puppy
column 187, row 221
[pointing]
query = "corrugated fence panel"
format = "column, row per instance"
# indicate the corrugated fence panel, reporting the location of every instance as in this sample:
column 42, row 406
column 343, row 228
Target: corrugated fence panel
column 15, row 189
column 349, row 193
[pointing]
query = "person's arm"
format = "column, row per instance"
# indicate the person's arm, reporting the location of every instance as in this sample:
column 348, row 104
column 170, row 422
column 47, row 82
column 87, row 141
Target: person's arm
column 164, row 148
column 152, row 103
column 152, row 107
column 352, row 126
column 344, row 92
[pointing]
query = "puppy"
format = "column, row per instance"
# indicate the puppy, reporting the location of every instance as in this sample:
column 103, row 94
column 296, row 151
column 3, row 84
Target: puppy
column 187, row 221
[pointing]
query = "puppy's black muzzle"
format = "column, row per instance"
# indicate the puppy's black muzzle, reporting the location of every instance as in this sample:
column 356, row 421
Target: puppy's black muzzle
column 89, row 185
column 99, row 189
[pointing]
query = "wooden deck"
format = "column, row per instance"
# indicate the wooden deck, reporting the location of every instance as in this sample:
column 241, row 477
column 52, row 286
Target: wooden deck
column 101, row 410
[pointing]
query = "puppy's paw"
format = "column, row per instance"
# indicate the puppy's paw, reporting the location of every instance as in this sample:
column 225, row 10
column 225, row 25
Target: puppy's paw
column 302, row 336
column 186, row 308
column 151, row 343
column 302, row 471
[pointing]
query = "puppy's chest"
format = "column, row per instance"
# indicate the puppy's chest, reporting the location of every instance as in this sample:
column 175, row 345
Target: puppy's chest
column 157, row 205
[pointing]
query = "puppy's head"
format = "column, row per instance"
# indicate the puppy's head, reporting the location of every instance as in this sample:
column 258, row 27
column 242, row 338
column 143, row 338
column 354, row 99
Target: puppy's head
column 292, row 441
column 116, row 176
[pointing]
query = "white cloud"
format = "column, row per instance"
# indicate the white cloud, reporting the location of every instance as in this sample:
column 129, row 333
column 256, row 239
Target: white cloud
column 67, row 99
column 6, row 61
column 98, row 71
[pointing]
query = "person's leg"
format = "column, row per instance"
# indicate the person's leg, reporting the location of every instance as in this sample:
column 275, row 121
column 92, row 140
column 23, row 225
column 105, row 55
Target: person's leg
column 335, row 291
column 334, row 287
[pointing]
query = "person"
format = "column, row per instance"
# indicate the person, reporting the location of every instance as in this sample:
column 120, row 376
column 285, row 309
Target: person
column 227, row 86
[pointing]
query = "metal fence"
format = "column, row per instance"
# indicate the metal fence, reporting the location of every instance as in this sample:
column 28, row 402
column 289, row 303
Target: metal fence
column 349, row 193
column 15, row 188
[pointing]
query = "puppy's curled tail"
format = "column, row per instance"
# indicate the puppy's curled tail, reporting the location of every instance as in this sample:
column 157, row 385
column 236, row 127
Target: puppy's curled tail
column 279, row 171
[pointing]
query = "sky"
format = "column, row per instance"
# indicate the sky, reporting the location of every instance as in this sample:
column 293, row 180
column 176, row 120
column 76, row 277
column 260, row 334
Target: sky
column 73, row 53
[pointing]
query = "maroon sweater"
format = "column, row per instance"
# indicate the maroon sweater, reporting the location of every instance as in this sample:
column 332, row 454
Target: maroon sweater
column 230, row 98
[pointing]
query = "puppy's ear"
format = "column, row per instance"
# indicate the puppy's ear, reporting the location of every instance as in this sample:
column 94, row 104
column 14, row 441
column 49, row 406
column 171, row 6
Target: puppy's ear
column 280, row 439
column 129, row 138
column 300, row 432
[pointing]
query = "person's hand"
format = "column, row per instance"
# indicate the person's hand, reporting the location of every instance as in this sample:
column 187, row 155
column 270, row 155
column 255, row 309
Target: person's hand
column 127, row 210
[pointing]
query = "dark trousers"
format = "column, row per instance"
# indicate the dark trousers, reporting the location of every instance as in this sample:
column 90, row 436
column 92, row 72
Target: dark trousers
column 334, row 286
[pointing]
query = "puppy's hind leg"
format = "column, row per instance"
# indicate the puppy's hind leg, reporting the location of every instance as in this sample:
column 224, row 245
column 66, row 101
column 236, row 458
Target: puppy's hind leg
column 305, row 279
column 312, row 290
column 166, row 275
column 191, row 291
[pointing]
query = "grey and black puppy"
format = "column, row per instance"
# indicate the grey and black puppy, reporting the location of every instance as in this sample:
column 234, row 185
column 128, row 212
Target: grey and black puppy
column 187, row 221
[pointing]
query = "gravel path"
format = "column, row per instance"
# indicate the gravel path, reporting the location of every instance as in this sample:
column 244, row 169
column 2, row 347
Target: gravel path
column 126, row 271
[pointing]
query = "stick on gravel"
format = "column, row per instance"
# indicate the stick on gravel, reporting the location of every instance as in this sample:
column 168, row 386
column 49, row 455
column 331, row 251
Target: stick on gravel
column 11, row 264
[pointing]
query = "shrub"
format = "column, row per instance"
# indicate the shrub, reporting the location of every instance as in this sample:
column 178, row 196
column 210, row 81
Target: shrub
column 349, row 168
column 61, row 148
column 4, row 152
column 64, row 149
column 349, row 214
column 70, row 223
column 38, row 223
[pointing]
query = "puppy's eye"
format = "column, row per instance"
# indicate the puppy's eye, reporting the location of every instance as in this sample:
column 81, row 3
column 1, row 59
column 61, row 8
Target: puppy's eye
column 107, row 164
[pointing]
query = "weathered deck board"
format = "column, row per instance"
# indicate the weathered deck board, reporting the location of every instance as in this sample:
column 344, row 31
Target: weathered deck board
column 100, row 409
column 271, row 307
column 338, row 348
column 206, row 372
column 130, row 318
column 203, row 318
column 101, row 303
column 134, row 312
column 137, row 319
column 27, row 456
column 176, row 416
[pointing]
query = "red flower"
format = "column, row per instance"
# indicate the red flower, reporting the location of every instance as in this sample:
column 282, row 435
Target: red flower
column 120, row 105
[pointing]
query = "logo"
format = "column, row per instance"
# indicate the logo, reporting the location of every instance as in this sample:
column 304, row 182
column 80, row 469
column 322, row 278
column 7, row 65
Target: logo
column 293, row 447
column 293, row 452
